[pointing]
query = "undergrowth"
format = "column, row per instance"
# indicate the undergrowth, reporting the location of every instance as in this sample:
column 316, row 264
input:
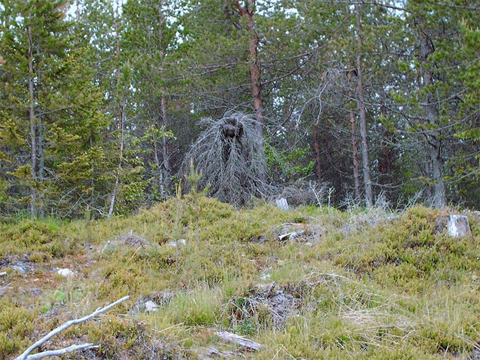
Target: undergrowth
column 370, row 285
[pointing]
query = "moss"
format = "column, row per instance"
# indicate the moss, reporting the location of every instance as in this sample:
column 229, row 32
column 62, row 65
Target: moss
column 16, row 326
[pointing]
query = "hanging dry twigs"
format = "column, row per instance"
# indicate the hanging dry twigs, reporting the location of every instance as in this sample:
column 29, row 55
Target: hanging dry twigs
column 229, row 155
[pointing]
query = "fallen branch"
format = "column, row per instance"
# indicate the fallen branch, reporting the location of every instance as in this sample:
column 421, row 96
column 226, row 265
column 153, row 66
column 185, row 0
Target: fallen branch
column 240, row 340
column 66, row 325
column 4, row 273
column 61, row 351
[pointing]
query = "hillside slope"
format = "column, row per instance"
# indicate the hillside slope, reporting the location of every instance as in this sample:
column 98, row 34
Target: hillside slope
column 338, row 285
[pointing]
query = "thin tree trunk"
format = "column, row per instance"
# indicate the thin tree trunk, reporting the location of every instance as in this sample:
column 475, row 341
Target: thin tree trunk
column 432, row 137
column 428, row 197
column 165, row 155
column 316, row 146
column 120, row 162
column 165, row 170
column 255, row 73
column 385, row 162
column 356, row 166
column 92, row 180
column 40, row 154
column 439, row 193
column 363, row 120
column 33, row 126
column 121, row 128
column 356, row 162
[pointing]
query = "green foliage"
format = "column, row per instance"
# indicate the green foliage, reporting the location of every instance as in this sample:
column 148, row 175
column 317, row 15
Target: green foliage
column 16, row 325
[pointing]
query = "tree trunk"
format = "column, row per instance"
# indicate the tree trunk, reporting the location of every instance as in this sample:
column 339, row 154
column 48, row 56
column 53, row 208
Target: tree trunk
column 432, row 138
column 356, row 172
column 40, row 153
column 166, row 160
column 439, row 193
column 33, row 127
column 158, row 165
column 385, row 162
column 316, row 146
column 120, row 162
column 165, row 170
column 255, row 73
column 121, row 128
column 363, row 121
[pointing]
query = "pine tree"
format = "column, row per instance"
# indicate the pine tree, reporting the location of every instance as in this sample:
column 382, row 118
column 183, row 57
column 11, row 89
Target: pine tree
column 46, row 101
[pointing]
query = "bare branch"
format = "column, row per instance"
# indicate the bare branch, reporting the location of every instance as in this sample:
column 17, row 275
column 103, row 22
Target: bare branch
column 66, row 325
column 61, row 351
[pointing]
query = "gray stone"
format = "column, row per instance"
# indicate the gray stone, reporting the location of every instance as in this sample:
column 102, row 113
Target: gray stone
column 458, row 226
column 179, row 241
column 455, row 225
column 150, row 306
column 66, row 272
column 282, row 204
column 20, row 269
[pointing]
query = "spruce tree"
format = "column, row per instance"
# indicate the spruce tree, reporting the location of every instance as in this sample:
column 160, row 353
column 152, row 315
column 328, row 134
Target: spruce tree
column 50, row 99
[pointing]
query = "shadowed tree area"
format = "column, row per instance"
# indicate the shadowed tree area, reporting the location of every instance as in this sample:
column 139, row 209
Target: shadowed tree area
column 104, row 103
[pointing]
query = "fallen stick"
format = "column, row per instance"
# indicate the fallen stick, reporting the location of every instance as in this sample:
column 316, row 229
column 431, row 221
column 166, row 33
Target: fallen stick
column 25, row 356
column 4, row 273
column 61, row 351
column 240, row 340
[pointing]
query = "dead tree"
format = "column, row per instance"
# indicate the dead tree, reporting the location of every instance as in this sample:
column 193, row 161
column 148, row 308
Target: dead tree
column 226, row 153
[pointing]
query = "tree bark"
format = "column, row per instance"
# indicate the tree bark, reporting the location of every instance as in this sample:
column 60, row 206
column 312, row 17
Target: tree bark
column 166, row 160
column 40, row 153
column 120, row 127
column 386, row 160
column 363, row 120
column 356, row 166
column 255, row 73
column 432, row 137
column 165, row 171
column 33, row 127
column 316, row 146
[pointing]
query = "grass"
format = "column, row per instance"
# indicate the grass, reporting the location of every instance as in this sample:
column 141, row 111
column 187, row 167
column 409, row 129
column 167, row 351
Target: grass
column 371, row 285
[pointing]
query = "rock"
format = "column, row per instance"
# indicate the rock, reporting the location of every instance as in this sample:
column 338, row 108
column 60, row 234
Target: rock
column 180, row 241
column 134, row 240
column 291, row 236
column 150, row 306
column 456, row 225
column 66, row 272
column 20, row 269
column 282, row 204
column 298, row 232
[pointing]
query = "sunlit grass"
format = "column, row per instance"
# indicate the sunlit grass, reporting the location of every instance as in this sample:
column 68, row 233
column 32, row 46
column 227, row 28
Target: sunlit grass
column 370, row 285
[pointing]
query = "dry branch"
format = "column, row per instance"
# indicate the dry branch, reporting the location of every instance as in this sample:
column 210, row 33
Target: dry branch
column 240, row 340
column 25, row 356
column 61, row 351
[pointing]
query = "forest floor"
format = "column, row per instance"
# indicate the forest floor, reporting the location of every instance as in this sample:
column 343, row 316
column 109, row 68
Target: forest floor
column 309, row 283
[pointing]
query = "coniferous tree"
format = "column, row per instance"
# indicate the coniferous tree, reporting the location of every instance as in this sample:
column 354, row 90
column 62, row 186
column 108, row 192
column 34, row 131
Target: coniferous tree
column 46, row 101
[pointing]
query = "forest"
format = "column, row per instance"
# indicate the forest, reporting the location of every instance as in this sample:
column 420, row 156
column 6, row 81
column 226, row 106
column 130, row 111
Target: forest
column 105, row 105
